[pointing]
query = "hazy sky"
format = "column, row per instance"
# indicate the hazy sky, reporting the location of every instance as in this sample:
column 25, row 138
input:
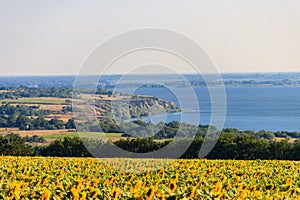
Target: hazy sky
column 55, row 36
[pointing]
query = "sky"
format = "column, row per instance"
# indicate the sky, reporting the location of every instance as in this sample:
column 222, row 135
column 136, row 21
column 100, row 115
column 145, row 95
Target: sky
column 54, row 37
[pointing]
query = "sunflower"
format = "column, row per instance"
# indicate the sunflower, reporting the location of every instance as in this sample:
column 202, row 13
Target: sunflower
column 172, row 187
column 218, row 188
column 150, row 193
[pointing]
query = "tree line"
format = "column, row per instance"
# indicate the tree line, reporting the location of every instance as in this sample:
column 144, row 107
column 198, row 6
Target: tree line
column 34, row 92
column 139, row 128
column 39, row 123
column 26, row 118
column 228, row 146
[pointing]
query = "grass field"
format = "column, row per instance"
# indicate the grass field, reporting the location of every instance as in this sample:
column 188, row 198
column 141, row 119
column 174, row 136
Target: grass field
column 37, row 100
column 5, row 131
column 88, row 178
column 51, row 135
column 60, row 135
column 75, row 134
column 63, row 117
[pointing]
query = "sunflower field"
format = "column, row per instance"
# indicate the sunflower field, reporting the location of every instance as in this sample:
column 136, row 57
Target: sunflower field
column 88, row 178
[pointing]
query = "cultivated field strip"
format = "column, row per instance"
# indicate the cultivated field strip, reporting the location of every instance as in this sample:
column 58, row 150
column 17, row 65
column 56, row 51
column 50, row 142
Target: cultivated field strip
column 88, row 178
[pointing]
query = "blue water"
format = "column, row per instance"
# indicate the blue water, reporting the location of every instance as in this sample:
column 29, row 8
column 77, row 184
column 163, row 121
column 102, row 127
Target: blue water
column 248, row 108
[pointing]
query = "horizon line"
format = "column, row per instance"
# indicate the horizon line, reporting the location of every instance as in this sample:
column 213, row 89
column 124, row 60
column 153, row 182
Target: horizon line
column 223, row 73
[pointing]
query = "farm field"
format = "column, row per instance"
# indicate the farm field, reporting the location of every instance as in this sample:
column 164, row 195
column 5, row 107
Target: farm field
column 36, row 100
column 22, row 133
column 75, row 134
column 39, row 100
column 48, row 135
column 51, row 135
column 88, row 178
column 50, row 104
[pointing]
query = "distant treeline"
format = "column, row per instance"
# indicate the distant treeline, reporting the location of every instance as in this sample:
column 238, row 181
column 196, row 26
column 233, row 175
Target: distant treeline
column 18, row 110
column 26, row 123
column 266, row 82
column 109, row 81
column 26, row 118
column 228, row 146
column 227, row 82
column 142, row 129
column 34, row 92
column 169, row 130
column 252, row 82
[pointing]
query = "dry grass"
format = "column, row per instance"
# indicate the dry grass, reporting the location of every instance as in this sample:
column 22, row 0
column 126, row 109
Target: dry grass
column 40, row 133
column 40, row 100
column 63, row 117
column 4, row 131
column 291, row 140
column 51, row 107
column 34, row 132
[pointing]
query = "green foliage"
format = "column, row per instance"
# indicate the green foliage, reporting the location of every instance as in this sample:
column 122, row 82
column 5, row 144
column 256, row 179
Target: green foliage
column 18, row 110
column 140, row 145
column 104, row 91
column 21, row 117
column 34, row 138
column 229, row 146
column 68, row 147
column 14, row 145
column 33, row 92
